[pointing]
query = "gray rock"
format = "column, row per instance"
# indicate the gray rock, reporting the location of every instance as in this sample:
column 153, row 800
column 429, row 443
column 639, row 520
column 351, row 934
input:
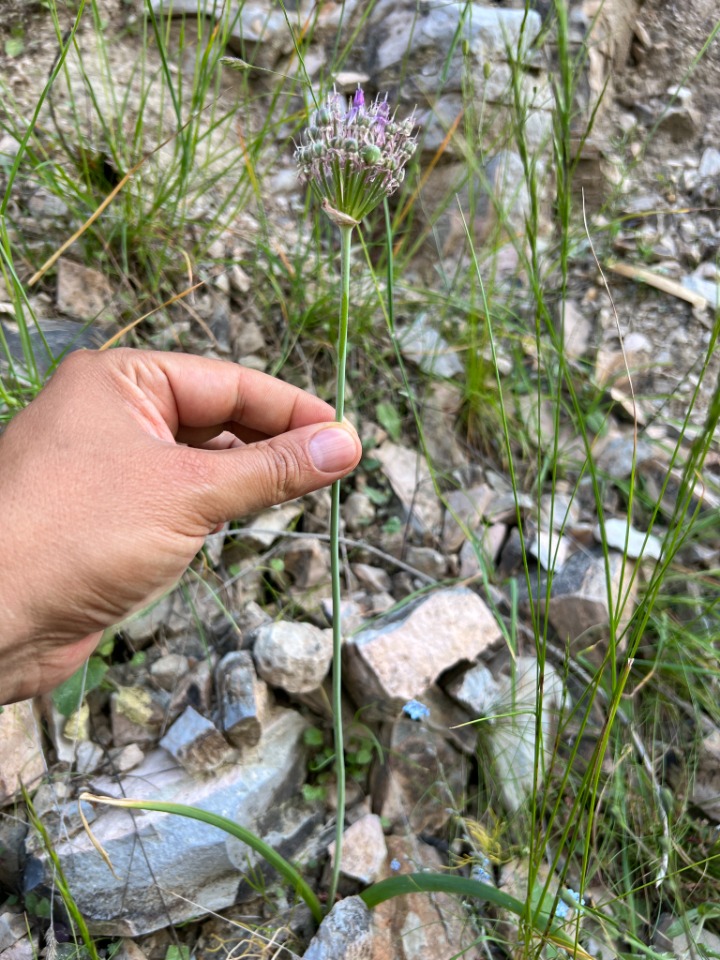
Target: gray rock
column 23, row 949
column 402, row 657
column 22, row 755
column 364, row 852
column 512, row 736
column 50, row 340
column 307, row 560
column 126, row 758
column 268, row 526
column 412, row 484
column 252, row 22
column 423, row 345
column 427, row 560
column 346, row 933
column 358, row 511
column 242, row 697
column 13, row 830
column 579, row 601
column 169, row 669
column 153, row 852
column 476, row 690
column 88, row 757
column 549, row 549
column 421, row 780
column 196, row 743
column 135, row 716
column 294, row 656
column 374, row 579
column 465, row 511
column 13, row 926
column 83, row 293
column 634, row 543
column 709, row 163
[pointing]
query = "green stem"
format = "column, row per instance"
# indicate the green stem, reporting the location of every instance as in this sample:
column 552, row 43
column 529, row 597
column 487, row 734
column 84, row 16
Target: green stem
column 345, row 244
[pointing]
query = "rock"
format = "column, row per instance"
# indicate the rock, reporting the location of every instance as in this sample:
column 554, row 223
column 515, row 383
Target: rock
column 510, row 199
column 680, row 123
column 13, row 926
column 196, row 743
column 706, row 288
column 685, row 939
column 374, row 579
column 126, row 758
column 465, row 511
column 155, row 852
column 345, row 934
column 88, row 757
column 421, row 781
column 549, row 549
column 709, row 163
column 135, row 716
column 412, row 484
column 49, row 339
column 511, row 738
column 439, row 414
column 576, row 329
column 403, row 656
column 242, row 698
column 22, row 755
column 579, row 602
column 23, row 949
column 705, row 792
column 364, row 854
column 633, row 543
column 168, row 669
column 427, row 560
column 65, row 747
column 307, row 560
column 270, row 524
column 252, row 22
column 423, row 345
column 83, row 293
column 294, row 656
column 476, row 689
column 194, row 689
column 358, row 512
column 421, row 926
column 13, row 830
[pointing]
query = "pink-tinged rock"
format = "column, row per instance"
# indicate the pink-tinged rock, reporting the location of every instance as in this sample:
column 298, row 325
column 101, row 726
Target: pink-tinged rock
column 419, row 784
column 22, row 756
column 401, row 658
column 412, row 484
column 421, row 925
column 364, row 853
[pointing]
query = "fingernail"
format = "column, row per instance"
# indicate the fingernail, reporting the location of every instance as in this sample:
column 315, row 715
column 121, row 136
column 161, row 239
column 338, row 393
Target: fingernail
column 333, row 449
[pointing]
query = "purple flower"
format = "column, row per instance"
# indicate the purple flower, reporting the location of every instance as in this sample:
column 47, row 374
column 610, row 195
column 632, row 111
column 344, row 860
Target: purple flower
column 353, row 156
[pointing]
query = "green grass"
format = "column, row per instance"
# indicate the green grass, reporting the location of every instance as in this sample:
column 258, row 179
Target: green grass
column 610, row 817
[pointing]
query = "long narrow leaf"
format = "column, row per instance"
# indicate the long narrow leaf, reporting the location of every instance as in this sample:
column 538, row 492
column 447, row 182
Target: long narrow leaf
column 285, row 869
column 464, row 887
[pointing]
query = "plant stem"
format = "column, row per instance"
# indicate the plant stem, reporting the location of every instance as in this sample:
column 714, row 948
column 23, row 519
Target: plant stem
column 345, row 244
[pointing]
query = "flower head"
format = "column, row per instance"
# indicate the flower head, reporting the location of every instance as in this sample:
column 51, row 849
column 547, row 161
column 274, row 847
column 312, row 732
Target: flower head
column 416, row 710
column 354, row 155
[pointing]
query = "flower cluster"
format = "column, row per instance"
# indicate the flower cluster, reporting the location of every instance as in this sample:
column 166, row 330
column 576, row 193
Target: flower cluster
column 354, row 156
column 416, row 710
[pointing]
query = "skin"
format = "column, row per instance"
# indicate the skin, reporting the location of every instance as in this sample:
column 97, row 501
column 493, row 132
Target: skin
column 113, row 476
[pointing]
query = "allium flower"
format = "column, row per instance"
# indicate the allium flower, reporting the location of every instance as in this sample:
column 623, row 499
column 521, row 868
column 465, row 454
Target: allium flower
column 354, row 156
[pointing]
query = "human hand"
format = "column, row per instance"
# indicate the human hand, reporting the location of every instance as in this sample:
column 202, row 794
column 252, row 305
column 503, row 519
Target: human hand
column 113, row 476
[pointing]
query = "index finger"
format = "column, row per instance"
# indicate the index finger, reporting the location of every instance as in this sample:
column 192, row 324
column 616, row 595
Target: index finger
column 192, row 391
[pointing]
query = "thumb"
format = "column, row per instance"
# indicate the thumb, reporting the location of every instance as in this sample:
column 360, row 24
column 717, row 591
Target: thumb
column 243, row 480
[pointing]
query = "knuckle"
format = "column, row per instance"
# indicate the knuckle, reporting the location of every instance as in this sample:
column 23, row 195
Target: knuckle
column 286, row 470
